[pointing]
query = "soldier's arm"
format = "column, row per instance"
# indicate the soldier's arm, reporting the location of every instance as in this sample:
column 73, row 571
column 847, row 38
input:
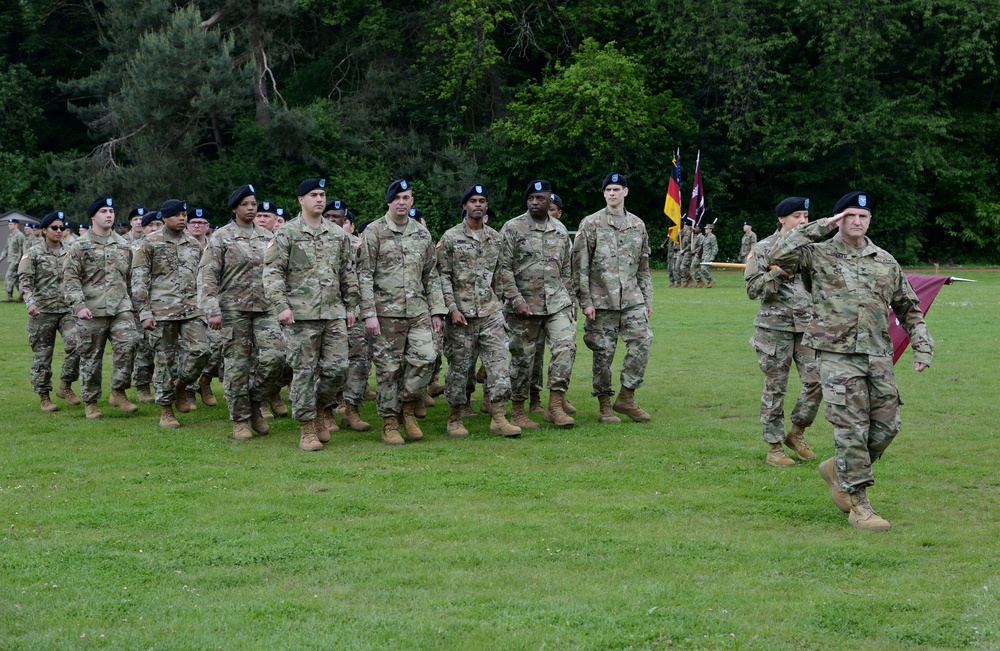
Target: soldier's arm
column 792, row 248
column 906, row 306
column 26, row 273
column 642, row 275
column 275, row 267
column 209, row 273
column 761, row 281
column 583, row 251
column 366, row 256
column 444, row 254
column 432, row 282
column 142, row 267
column 510, row 292
column 72, row 285
column 566, row 269
column 348, row 276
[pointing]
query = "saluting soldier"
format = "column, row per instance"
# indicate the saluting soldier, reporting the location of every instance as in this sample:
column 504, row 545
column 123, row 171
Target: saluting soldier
column 12, row 253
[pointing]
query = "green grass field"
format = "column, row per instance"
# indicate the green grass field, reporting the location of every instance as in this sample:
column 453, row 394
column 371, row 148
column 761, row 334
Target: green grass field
column 674, row 534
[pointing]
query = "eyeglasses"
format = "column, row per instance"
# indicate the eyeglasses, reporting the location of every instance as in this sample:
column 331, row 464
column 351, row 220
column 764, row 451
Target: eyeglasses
column 56, row 228
column 191, row 223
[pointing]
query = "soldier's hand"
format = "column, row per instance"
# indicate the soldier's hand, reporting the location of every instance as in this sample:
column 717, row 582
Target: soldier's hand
column 458, row 318
column 351, row 319
column 84, row 314
column 522, row 310
column 372, row 327
column 590, row 313
column 149, row 324
column 215, row 322
column 437, row 323
column 836, row 219
column 34, row 311
column 649, row 312
column 285, row 317
column 919, row 367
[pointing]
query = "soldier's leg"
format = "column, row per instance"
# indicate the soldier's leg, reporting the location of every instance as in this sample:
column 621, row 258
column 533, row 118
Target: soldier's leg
column 269, row 366
column 439, row 342
column 807, row 364
column 11, row 279
column 774, row 356
column 560, row 332
column 493, row 345
column 387, row 353
column 165, row 338
column 884, row 415
column 239, row 350
column 69, row 328
column 706, row 273
column 459, row 344
column 42, row 339
column 600, row 335
column 304, row 339
column 332, row 362
column 142, row 367
column 124, row 336
column 638, row 337
column 358, row 365
column 538, row 364
column 524, row 332
column 419, row 355
column 195, row 350
column 94, row 336
column 846, row 394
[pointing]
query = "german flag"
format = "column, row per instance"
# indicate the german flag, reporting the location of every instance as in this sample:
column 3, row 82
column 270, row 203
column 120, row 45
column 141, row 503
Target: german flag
column 672, row 205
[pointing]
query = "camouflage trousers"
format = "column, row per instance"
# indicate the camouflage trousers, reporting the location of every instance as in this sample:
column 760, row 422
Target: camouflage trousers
column 537, row 366
column 439, row 348
column 317, row 353
column 671, row 264
column 675, row 267
column 601, row 336
column 142, row 368
column 181, row 353
column 12, row 280
column 215, row 360
column 94, row 335
column 486, row 337
column 42, row 339
column 685, row 268
column 560, row 331
column 359, row 364
column 776, row 350
column 404, row 359
column 694, row 268
column 862, row 403
column 703, row 271
column 470, row 381
column 253, row 352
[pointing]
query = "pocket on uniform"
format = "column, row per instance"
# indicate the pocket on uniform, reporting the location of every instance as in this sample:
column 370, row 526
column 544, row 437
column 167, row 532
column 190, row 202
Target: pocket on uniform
column 835, row 394
column 765, row 347
column 226, row 333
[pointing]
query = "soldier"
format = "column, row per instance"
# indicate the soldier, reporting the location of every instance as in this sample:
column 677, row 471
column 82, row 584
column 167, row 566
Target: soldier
column 402, row 306
column 855, row 287
column 41, row 275
column 309, row 278
column 536, row 275
column 267, row 216
column 611, row 268
column 135, row 222
column 231, row 293
column 749, row 241
column 784, row 315
column 468, row 265
column 671, row 248
column 69, row 237
column 165, row 288
column 144, row 364
column 12, row 253
column 709, row 249
column 683, row 259
column 95, row 278
column 693, row 258
column 198, row 227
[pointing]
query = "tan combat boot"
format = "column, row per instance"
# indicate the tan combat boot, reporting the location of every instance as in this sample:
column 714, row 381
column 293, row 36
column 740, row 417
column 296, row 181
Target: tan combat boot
column 863, row 516
column 797, row 442
column 410, row 426
column 701, row 283
column 455, row 427
column 352, row 419
column 499, row 424
column 481, row 374
column 776, row 456
column 519, row 418
column 556, row 411
column 486, row 407
column 341, row 407
column 277, row 405
column 167, row 418
column 606, row 415
column 390, row 431
column 65, row 392
column 326, row 424
column 467, row 411
column 180, row 398
column 308, row 440
column 120, row 400
column 265, row 412
column 625, row 404
column 92, row 411
column 143, row 394
column 205, row 389
column 568, row 408
column 241, row 430
column 192, row 400
column 536, row 404
column 710, row 284
column 370, row 394
column 435, row 388
column 828, row 470
column 46, row 403
column 257, row 421
column 420, row 406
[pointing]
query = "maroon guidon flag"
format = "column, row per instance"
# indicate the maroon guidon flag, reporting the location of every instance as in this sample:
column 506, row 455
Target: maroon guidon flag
column 927, row 288
column 696, row 208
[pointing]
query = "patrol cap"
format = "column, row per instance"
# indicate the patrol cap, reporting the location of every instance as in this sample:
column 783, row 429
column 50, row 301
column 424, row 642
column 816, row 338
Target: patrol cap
column 309, row 185
column 198, row 213
column 709, row 227
column 151, row 217
column 395, row 188
column 173, row 207
column 239, row 194
column 790, row 205
column 97, row 204
column 268, row 207
column 556, row 200
column 51, row 217
column 416, row 213
column 853, row 200
column 478, row 190
column 541, row 185
column 614, row 178
column 335, row 204
column 136, row 212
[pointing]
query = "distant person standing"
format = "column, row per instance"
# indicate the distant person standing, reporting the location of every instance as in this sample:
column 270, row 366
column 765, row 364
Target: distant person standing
column 749, row 241
column 709, row 249
column 694, row 261
column 12, row 253
column 684, row 254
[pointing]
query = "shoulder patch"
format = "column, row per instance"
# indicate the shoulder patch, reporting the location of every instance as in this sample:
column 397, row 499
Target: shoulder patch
column 137, row 247
column 270, row 243
column 25, row 256
column 749, row 256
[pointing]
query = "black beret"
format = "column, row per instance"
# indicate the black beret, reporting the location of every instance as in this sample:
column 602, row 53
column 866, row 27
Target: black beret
column 349, row 216
column 51, row 217
column 556, row 200
column 541, row 185
column 280, row 212
column 417, row 213
column 97, row 204
column 151, row 217
column 13, row 221
column 29, row 226
column 85, row 227
column 614, row 179
column 266, row 207
column 239, row 194
column 136, row 212
column 172, row 207
column 363, row 225
column 746, row 224
column 396, row 187
column 335, row 204
column 790, row 205
column 477, row 190
column 309, row 185
column 853, row 200
column 198, row 213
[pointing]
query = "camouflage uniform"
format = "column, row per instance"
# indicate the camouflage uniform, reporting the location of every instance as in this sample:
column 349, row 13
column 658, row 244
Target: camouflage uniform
column 694, row 258
column 470, row 282
column 41, row 273
column 536, row 269
column 165, row 288
column 95, row 276
column 854, row 292
column 672, row 261
column 399, row 284
column 785, row 313
column 709, row 249
column 13, row 254
column 359, row 360
column 684, row 255
column 310, row 271
column 143, row 365
column 746, row 246
column 231, row 285
column 611, row 267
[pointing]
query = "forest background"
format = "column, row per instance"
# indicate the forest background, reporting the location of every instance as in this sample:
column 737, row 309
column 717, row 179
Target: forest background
column 158, row 99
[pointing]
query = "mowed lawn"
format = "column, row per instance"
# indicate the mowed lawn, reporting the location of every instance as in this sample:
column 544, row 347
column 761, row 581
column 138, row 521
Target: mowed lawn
column 674, row 534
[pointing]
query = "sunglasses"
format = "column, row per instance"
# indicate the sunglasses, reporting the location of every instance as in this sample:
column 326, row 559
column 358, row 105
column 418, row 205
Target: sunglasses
column 56, row 228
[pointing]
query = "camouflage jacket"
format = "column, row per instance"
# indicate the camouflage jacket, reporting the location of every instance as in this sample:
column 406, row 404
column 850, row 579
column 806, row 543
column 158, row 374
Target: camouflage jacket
column 683, row 240
column 310, row 271
column 746, row 246
column 398, row 271
column 355, row 243
column 165, row 276
column 231, row 273
column 41, row 273
column 853, row 293
column 785, row 303
column 536, row 265
column 132, row 238
column 611, row 262
column 470, row 270
column 95, row 275
column 15, row 247
column 695, row 243
column 709, row 248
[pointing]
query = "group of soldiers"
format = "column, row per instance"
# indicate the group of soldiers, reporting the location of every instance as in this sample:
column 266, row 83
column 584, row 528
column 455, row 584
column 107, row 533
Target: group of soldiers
column 309, row 305
column 690, row 258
